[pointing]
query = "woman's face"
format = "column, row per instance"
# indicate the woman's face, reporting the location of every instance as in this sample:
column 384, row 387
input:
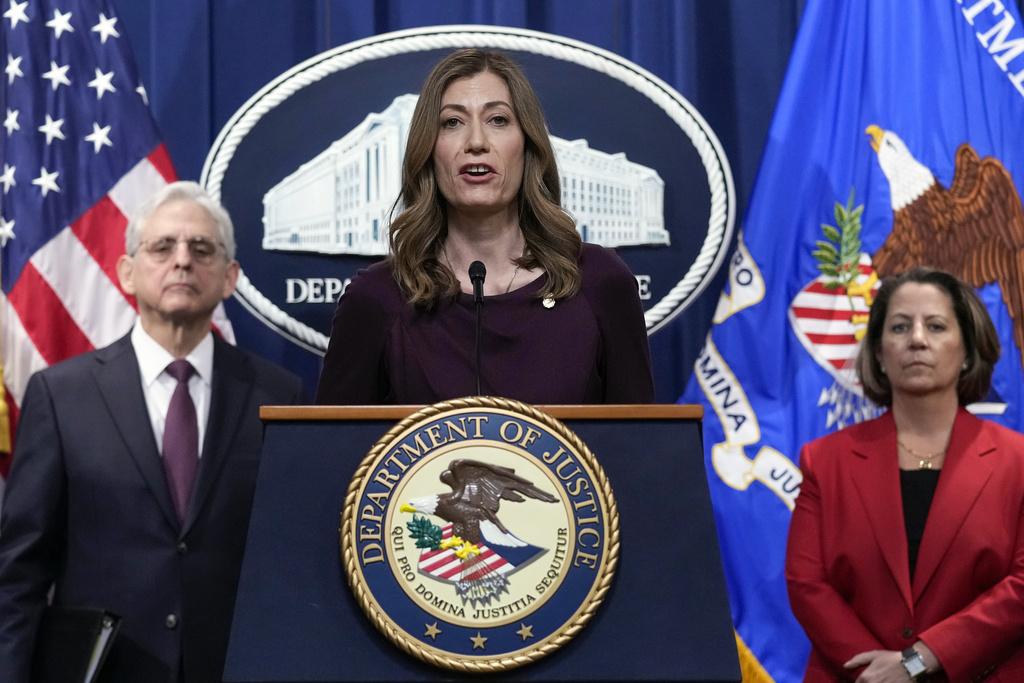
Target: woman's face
column 478, row 156
column 922, row 349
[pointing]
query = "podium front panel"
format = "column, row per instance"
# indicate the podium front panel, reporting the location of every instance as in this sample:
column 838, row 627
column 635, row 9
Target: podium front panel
column 665, row 618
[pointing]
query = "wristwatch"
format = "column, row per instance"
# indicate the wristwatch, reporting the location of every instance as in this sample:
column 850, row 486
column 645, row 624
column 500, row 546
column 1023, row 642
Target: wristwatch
column 913, row 662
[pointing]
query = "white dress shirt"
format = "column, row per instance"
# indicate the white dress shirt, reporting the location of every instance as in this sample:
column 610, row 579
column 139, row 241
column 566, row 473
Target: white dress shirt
column 158, row 386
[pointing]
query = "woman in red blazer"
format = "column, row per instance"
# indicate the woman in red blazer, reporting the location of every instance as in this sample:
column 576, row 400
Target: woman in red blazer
column 906, row 549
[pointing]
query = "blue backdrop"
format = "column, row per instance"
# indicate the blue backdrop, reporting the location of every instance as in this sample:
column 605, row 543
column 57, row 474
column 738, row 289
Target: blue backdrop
column 200, row 60
column 203, row 59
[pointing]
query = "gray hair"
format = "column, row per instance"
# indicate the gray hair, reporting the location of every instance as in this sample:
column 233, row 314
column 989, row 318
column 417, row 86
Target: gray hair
column 186, row 190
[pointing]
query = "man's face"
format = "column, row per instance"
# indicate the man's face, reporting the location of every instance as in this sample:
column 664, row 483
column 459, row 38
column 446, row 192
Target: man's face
column 174, row 281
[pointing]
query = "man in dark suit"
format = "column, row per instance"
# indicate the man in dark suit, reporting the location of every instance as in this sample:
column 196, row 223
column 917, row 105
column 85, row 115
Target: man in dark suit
column 131, row 488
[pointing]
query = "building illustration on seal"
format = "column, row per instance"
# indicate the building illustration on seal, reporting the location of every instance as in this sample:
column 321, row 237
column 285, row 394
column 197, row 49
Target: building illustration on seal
column 340, row 201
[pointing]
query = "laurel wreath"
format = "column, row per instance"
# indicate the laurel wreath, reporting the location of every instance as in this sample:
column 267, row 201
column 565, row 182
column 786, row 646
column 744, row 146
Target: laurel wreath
column 350, row 559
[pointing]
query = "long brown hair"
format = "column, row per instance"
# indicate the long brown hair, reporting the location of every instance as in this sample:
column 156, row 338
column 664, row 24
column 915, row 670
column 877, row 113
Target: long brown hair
column 417, row 233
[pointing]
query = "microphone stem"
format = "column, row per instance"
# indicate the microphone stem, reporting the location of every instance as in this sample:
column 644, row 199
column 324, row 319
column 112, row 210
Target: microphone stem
column 477, row 273
column 479, row 307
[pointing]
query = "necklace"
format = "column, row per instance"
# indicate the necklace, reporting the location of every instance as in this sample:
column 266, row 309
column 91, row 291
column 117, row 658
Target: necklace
column 514, row 273
column 924, row 459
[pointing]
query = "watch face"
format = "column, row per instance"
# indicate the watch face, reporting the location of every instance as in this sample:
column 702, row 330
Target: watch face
column 913, row 663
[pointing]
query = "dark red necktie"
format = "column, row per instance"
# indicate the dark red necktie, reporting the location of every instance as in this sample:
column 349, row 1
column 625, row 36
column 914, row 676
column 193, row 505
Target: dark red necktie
column 181, row 439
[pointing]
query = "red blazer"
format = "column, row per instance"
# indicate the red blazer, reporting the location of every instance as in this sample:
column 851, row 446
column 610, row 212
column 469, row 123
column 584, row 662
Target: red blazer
column 847, row 568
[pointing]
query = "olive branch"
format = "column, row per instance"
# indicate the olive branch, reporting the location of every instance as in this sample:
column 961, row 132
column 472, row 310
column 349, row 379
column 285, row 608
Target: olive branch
column 839, row 256
column 427, row 534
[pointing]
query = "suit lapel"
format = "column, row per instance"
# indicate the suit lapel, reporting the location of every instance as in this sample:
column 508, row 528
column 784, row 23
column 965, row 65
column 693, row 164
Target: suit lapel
column 878, row 484
column 120, row 384
column 229, row 394
column 964, row 474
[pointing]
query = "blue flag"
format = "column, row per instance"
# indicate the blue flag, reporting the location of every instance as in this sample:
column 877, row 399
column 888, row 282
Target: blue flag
column 897, row 140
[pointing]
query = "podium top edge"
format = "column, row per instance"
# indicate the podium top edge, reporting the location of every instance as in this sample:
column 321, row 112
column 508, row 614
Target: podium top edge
column 659, row 411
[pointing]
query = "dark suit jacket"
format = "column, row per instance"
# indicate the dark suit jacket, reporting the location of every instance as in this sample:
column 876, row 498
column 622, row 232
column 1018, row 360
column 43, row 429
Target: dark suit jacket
column 87, row 508
column 847, row 566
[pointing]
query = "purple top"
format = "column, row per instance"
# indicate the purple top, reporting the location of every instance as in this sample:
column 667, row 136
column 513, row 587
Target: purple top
column 591, row 348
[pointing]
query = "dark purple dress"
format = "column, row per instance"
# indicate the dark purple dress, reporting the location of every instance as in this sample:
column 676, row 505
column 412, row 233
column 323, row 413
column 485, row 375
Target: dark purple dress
column 591, row 348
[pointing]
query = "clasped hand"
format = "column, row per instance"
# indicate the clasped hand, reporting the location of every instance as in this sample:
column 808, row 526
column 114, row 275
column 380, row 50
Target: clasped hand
column 883, row 666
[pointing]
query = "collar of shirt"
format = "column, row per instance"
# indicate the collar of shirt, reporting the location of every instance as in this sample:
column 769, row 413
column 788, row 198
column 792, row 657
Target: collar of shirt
column 154, row 359
column 157, row 385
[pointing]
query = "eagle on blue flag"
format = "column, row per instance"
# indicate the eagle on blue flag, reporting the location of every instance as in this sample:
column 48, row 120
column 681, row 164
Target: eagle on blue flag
column 974, row 229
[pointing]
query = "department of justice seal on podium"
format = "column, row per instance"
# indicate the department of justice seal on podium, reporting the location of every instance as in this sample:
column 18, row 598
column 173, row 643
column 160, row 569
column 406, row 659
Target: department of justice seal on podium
column 479, row 534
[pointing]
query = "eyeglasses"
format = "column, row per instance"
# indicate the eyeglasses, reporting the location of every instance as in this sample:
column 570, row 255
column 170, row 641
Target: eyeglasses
column 202, row 250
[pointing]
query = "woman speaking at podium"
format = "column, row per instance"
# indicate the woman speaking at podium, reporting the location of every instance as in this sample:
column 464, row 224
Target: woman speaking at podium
column 560, row 321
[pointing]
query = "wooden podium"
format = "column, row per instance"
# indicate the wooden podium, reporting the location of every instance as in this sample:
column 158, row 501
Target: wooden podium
column 666, row 617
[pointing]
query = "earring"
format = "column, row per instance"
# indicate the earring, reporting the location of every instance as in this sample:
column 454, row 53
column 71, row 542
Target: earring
column 882, row 368
column 965, row 366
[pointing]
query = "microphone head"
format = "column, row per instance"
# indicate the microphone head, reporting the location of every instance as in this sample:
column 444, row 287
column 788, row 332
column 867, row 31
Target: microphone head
column 477, row 271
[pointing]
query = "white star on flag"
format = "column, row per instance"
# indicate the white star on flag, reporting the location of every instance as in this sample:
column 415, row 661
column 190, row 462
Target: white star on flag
column 52, row 129
column 106, row 28
column 57, row 75
column 13, row 68
column 142, row 91
column 102, row 83
column 7, row 178
column 60, row 23
column 6, row 231
column 16, row 13
column 11, row 122
column 99, row 137
column 47, row 181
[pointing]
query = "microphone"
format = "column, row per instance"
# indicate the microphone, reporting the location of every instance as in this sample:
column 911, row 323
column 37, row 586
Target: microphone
column 477, row 273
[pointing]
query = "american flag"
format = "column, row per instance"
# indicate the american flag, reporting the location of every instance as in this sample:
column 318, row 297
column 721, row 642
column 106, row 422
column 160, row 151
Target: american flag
column 80, row 151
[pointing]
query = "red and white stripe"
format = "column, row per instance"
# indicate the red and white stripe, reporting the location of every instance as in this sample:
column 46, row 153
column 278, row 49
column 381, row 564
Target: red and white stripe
column 822, row 319
column 444, row 564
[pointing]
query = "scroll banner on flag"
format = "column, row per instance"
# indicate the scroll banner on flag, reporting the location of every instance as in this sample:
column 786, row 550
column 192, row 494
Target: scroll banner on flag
column 79, row 153
column 898, row 128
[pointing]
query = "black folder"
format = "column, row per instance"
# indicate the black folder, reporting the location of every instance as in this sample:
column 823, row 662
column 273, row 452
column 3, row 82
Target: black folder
column 72, row 644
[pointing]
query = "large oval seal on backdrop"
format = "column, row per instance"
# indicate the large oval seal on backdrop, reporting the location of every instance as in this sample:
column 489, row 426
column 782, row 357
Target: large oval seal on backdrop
column 309, row 169
column 479, row 534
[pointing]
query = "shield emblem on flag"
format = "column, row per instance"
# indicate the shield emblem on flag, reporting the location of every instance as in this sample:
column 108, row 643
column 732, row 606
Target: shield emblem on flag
column 830, row 322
